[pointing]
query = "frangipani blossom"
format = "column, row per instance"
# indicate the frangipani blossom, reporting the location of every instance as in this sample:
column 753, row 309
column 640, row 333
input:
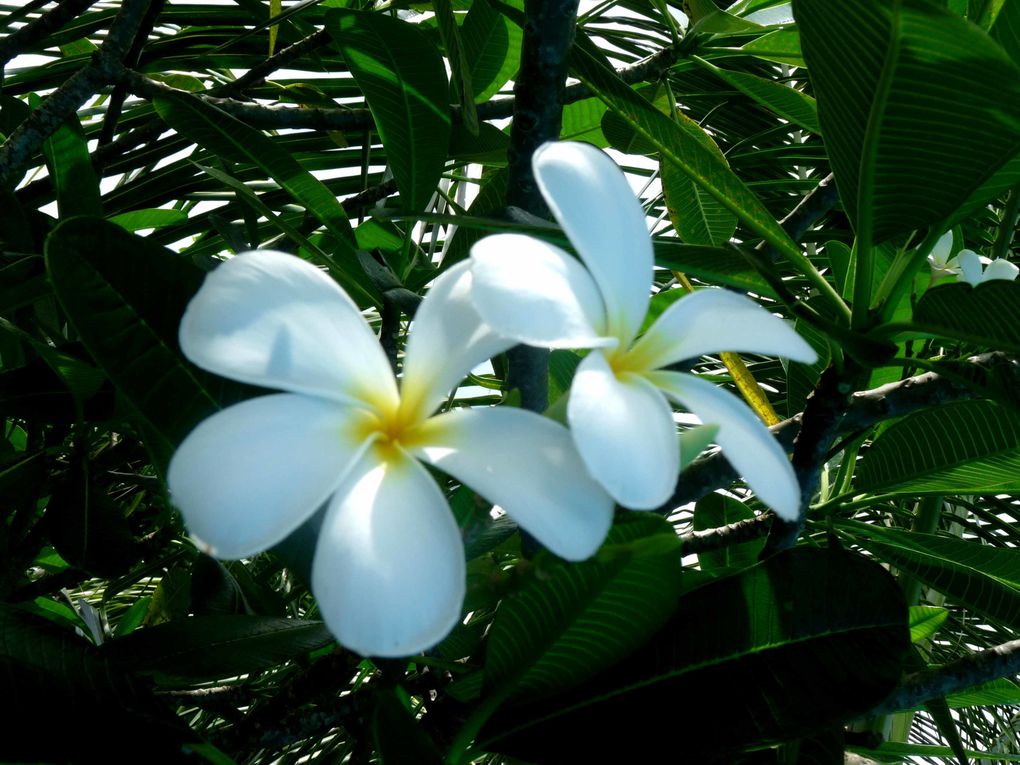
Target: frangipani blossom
column 974, row 271
column 618, row 410
column 967, row 266
column 388, row 571
column 939, row 259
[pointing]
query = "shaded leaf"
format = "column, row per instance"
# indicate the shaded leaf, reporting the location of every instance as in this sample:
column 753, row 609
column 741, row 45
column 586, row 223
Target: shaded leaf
column 70, row 165
column 398, row 738
column 715, row 510
column 965, row 447
column 559, row 630
column 404, row 81
column 979, row 577
column 986, row 315
column 125, row 296
column 230, row 138
column 907, row 139
column 715, row 265
column 492, row 46
column 789, row 103
column 782, row 635
column 208, row 647
column 44, row 667
column 87, row 527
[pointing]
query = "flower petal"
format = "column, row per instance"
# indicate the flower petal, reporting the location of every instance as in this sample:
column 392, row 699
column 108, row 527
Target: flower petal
column 969, row 263
column 625, row 433
column 528, row 465
column 593, row 202
column 249, row 475
column 536, row 293
column 715, row 320
column 447, row 340
column 389, row 572
column 744, row 439
column 1000, row 268
column 940, row 251
column 271, row 319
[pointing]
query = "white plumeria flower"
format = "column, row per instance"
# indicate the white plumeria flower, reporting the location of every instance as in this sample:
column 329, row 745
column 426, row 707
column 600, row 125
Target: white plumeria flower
column 968, row 266
column 618, row 410
column 388, row 571
column 974, row 271
column 939, row 259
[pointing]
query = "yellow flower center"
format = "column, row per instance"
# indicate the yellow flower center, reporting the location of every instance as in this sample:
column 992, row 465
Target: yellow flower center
column 390, row 432
column 623, row 361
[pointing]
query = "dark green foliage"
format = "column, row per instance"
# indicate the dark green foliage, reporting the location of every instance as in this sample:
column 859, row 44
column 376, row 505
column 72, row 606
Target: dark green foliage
column 380, row 144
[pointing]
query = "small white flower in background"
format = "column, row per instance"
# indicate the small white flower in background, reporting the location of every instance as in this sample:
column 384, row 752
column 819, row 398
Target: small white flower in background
column 618, row 410
column 939, row 259
column 974, row 271
column 968, row 266
column 388, row 571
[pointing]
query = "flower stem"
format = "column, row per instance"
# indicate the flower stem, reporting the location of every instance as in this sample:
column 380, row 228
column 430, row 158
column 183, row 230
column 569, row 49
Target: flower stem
column 742, row 377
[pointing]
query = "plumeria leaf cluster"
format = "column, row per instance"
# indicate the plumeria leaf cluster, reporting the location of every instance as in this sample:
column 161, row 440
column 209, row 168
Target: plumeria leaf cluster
column 497, row 382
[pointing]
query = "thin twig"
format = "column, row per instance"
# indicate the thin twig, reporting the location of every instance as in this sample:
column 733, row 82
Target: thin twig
column 65, row 101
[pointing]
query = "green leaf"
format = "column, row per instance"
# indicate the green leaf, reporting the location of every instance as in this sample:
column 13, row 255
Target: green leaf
column 562, row 365
column 716, row 265
column 582, row 121
column 459, row 67
column 780, row 637
column 490, row 201
column 907, row 139
column 404, row 81
column 560, row 630
column 965, row 447
column 994, row 692
column 789, row 103
column 715, row 510
column 209, row 647
column 135, row 220
column 780, row 47
column 978, row 577
column 697, row 216
column 1006, row 29
column 230, row 138
column 125, row 296
column 70, row 165
column 492, row 46
column 986, row 315
column 214, row 590
column 487, row 147
column 899, row 751
column 683, row 143
column 925, row 621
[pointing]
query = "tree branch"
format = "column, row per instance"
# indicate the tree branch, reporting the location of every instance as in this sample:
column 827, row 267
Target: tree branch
column 65, row 101
column 258, row 73
column 316, row 118
column 820, row 423
column 866, row 408
column 1000, row 661
column 808, row 211
column 19, row 41
column 537, row 117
